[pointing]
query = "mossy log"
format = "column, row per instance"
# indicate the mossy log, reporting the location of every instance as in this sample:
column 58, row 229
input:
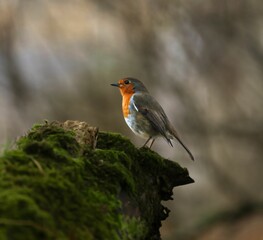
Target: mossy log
column 70, row 181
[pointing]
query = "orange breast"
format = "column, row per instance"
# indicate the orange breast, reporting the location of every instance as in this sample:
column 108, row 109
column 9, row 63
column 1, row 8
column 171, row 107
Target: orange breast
column 125, row 104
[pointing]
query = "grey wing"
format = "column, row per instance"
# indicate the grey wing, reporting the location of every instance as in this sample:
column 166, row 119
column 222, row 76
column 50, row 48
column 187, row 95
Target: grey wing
column 151, row 109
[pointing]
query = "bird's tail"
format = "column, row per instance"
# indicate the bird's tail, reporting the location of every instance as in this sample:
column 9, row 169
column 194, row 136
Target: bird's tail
column 175, row 135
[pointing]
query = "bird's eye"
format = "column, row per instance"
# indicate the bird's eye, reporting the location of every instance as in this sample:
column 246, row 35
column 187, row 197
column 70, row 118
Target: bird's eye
column 126, row 81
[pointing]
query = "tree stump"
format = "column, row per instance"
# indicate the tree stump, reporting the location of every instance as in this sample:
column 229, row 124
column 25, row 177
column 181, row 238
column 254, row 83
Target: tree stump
column 70, row 181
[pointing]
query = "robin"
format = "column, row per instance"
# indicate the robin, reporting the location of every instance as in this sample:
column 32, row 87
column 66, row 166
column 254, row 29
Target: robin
column 144, row 115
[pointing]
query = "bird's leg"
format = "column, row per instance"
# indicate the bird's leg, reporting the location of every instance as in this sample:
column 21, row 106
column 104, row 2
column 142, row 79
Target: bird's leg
column 152, row 143
column 147, row 141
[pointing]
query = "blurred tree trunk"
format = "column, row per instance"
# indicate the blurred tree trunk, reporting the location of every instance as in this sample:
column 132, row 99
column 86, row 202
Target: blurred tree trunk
column 17, row 86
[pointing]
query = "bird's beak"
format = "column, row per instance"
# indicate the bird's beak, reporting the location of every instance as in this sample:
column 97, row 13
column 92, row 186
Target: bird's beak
column 115, row 85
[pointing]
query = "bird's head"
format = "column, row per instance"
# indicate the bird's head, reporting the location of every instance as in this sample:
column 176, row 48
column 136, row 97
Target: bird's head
column 129, row 86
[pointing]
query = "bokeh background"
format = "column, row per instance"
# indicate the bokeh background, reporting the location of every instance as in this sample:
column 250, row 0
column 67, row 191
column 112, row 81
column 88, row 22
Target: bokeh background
column 202, row 60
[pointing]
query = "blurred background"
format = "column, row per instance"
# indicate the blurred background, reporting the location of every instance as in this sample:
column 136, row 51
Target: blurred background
column 202, row 60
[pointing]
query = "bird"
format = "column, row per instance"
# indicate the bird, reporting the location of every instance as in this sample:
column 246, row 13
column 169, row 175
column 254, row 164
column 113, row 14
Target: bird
column 144, row 115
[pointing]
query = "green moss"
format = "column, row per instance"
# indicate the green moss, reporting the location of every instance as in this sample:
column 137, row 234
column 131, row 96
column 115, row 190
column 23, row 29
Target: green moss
column 116, row 142
column 154, row 179
column 49, row 140
column 52, row 188
column 115, row 167
column 48, row 190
